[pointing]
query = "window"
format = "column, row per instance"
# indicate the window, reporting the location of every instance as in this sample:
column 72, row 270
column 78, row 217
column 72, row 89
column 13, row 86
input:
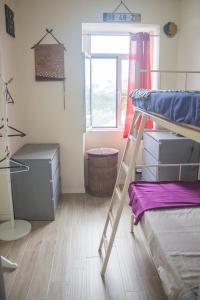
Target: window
column 104, row 92
column 106, row 79
column 110, row 44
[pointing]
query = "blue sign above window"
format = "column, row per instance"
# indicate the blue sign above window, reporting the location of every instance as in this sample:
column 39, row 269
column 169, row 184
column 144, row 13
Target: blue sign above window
column 122, row 17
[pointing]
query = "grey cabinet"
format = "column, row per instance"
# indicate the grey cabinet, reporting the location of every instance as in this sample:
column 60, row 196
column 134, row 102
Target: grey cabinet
column 36, row 193
column 166, row 147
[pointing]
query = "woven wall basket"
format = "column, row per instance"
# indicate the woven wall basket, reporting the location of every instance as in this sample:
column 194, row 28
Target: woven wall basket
column 49, row 62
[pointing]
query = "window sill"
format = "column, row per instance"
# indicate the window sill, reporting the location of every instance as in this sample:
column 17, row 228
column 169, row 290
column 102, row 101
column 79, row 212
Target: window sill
column 105, row 129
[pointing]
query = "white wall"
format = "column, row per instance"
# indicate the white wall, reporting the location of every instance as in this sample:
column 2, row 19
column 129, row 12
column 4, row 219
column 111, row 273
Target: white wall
column 8, row 70
column 44, row 117
column 189, row 40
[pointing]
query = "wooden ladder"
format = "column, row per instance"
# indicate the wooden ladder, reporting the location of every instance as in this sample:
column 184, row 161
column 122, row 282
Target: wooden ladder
column 119, row 195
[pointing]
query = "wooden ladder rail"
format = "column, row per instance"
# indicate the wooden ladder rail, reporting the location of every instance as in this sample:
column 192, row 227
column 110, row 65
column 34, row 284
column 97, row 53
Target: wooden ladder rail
column 129, row 175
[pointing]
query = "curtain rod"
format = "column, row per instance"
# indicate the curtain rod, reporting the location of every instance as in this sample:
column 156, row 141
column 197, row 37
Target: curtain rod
column 115, row 34
column 169, row 71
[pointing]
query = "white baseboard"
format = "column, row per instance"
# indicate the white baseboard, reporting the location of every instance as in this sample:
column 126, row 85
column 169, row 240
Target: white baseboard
column 4, row 217
column 73, row 191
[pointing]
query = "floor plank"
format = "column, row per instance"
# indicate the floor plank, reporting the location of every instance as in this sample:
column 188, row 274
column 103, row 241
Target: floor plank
column 95, row 288
column 113, row 279
column 96, row 210
column 24, row 274
column 58, row 290
column 59, row 260
column 5, row 247
column 41, row 277
column 128, row 265
column 15, row 253
column 136, row 296
column 77, row 285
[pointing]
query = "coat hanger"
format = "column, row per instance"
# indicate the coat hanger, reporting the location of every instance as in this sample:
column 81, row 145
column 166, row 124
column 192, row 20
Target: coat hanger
column 17, row 165
column 9, row 98
column 19, row 132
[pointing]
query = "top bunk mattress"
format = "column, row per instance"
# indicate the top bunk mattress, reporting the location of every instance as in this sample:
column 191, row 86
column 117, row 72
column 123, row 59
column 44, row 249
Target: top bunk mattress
column 177, row 106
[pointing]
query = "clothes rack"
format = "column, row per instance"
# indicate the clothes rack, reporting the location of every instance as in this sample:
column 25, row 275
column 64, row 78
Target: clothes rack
column 13, row 229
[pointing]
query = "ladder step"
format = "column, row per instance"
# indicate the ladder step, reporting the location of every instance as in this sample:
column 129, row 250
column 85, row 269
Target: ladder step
column 132, row 137
column 118, row 192
column 125, row 167
column 105, row 242
column 111, row 218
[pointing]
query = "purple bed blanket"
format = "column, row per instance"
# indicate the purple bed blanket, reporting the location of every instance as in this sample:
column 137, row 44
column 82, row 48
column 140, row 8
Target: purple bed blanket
column 158, row 195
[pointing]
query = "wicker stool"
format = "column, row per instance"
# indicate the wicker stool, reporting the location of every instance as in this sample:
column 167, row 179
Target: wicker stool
column 102, row 171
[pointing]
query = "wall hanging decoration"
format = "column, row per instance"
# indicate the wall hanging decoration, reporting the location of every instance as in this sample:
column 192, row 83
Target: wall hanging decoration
column 9, row 17
column 170, row 29
column 121, row 17
column 49, row 61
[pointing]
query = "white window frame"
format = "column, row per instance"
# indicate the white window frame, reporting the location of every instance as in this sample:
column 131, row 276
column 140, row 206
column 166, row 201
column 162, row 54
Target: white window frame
column 102, row 29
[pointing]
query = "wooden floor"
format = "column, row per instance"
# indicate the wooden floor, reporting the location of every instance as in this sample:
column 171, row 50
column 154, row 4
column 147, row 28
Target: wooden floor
column 59, row 260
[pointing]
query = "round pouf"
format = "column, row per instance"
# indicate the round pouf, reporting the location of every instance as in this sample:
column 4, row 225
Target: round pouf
column 102, row 171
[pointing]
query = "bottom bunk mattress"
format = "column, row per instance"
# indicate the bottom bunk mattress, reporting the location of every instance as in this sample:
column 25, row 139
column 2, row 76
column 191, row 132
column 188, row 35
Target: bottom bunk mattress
column 177, row 106
column 173, row 238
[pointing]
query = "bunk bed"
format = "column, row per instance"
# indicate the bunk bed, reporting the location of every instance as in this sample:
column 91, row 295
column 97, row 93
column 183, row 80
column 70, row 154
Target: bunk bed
column 172, row 235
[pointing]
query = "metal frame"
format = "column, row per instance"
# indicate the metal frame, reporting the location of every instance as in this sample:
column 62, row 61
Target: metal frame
column 133, row 143
column 160, row 72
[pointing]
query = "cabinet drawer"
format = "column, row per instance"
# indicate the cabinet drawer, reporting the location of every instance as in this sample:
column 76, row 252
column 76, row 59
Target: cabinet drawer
column 160, row 173
column 167, row 173
column 150, row 160
column 163, row 174
column 166, row 147
column 55, row 182
column 147, row 175
column 56, row 196
column 151, row 145
column 54, row 164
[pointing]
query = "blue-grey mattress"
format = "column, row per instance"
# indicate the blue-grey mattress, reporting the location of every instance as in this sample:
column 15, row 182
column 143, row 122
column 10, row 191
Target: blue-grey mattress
column 181, row 107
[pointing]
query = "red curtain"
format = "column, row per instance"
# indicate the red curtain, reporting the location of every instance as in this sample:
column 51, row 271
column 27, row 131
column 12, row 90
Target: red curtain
column 139, row 58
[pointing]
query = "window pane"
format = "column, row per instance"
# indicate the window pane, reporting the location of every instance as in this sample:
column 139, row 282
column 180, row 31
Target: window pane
column 124, row 85
column 103, row 92
column 109, row 44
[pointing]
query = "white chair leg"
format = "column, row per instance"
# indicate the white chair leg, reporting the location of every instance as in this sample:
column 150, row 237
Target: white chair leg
column 6, row 263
